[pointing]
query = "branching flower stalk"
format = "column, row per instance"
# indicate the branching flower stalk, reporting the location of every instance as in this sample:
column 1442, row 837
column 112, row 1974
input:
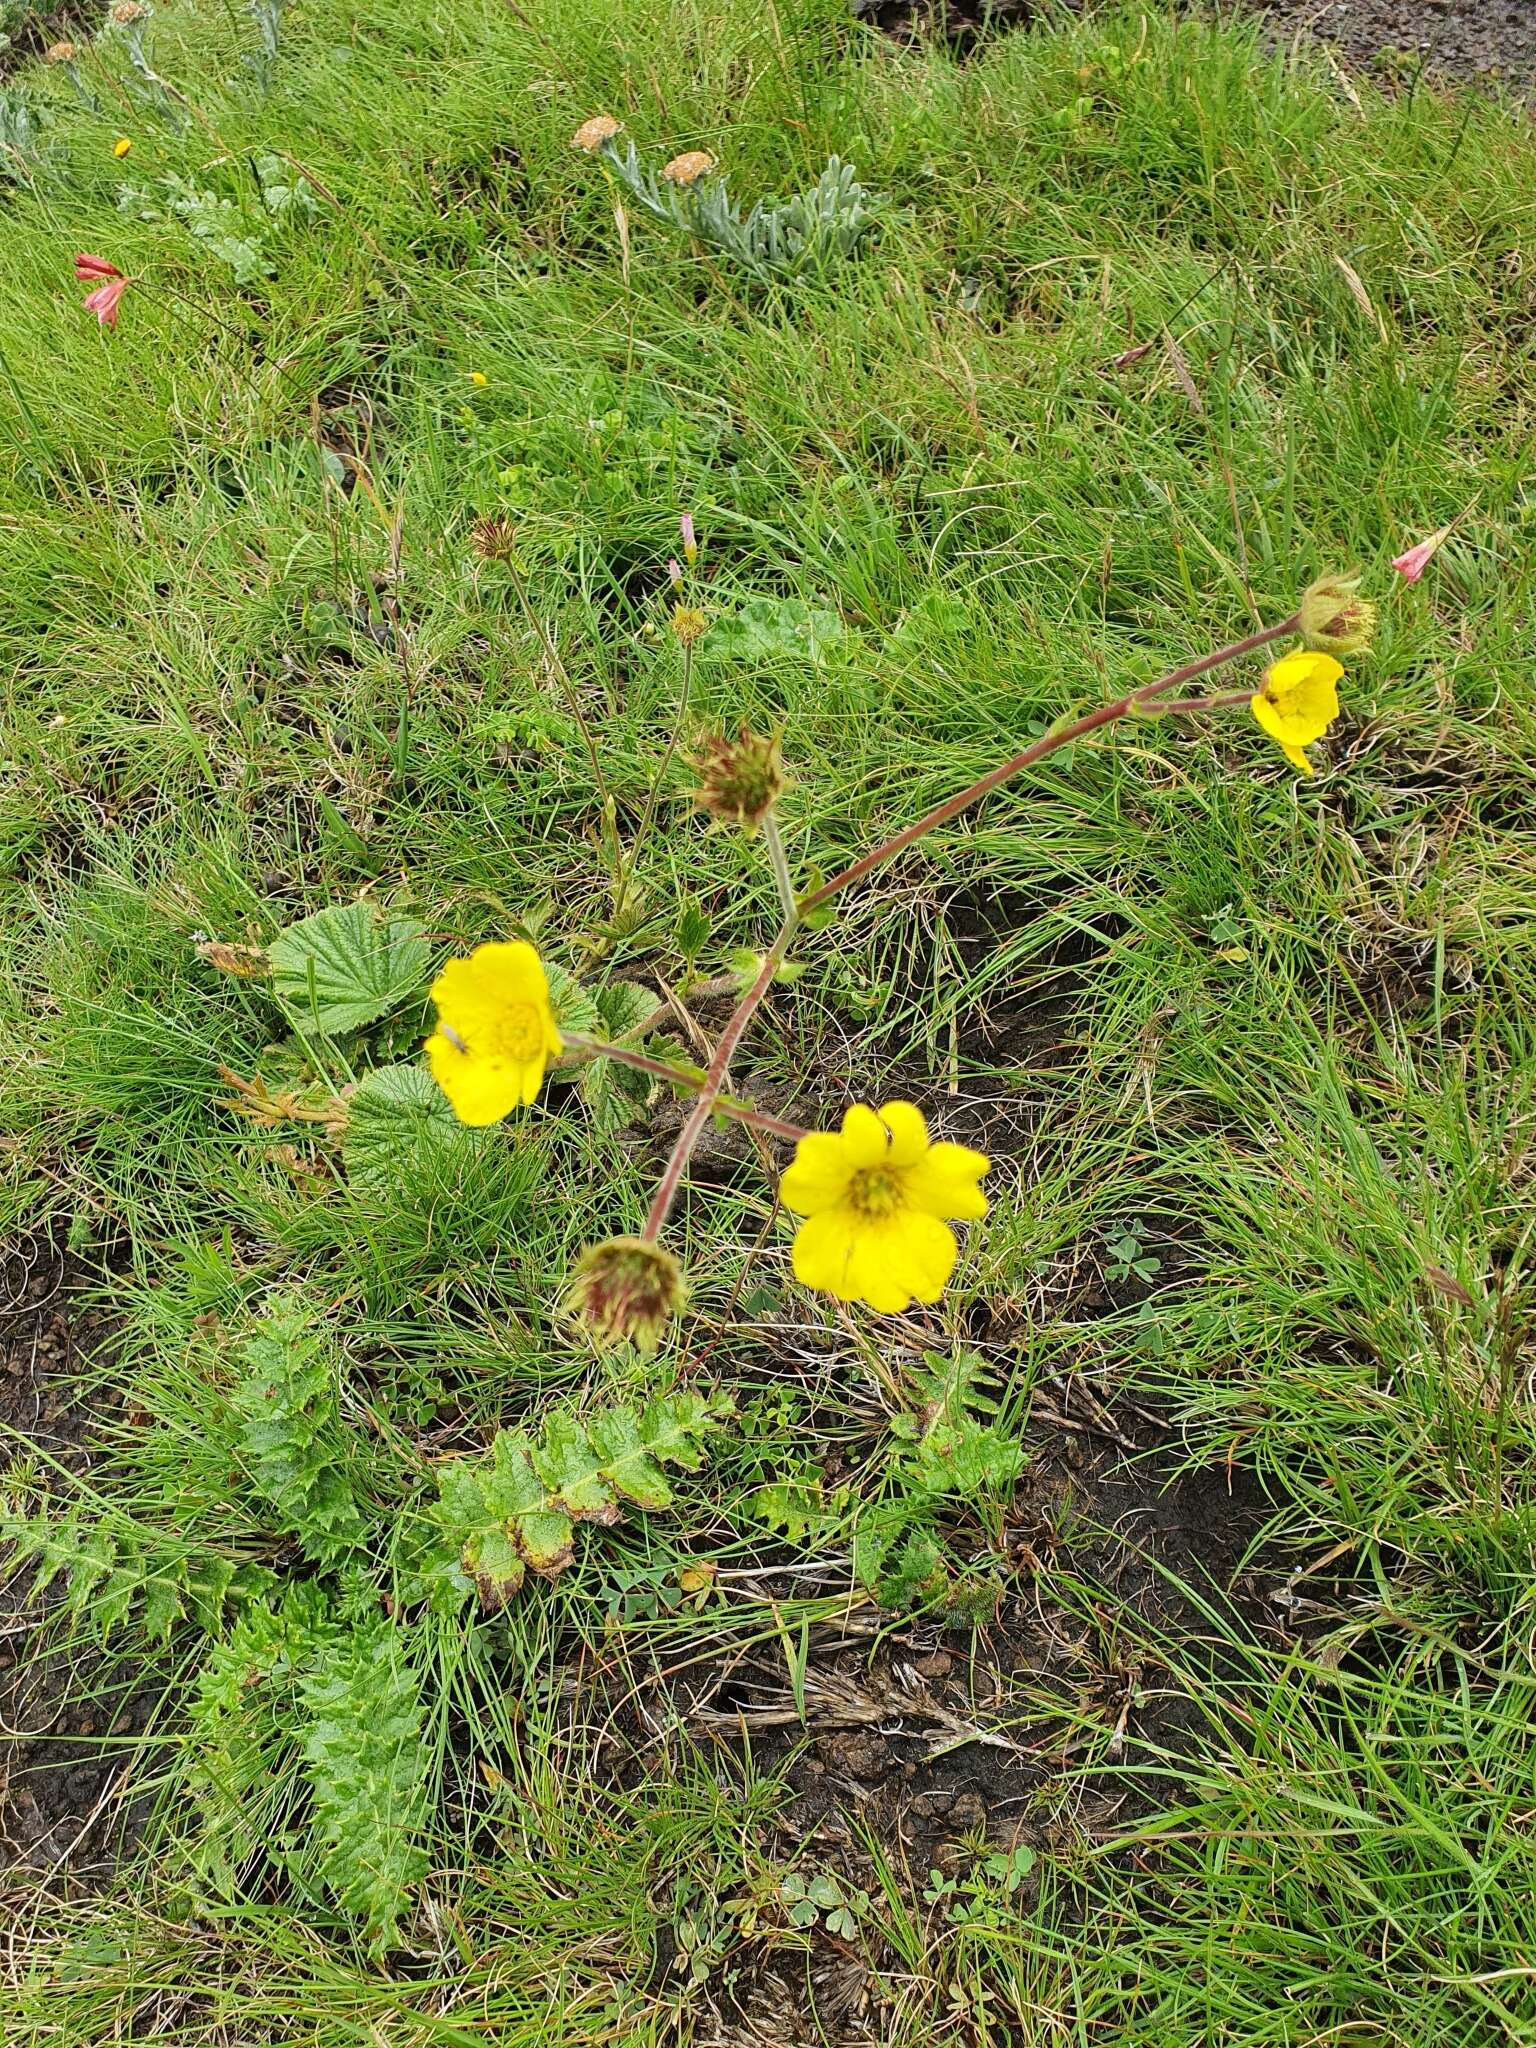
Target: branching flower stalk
column 690, row 1078
column 1134, row 702
column 878, row 1198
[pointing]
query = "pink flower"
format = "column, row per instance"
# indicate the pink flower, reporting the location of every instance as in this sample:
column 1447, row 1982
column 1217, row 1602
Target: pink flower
column 675, row 573
column 1412, row 564
column 103, row 302
column 89, row 268
column 690, row 544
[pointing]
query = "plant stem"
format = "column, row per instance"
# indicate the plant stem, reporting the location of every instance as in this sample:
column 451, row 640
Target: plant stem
column 773, row 840
column 714, row 1080
column 1064, row 736
column 627, row 870
column 1224, row 702
column 683, row 1077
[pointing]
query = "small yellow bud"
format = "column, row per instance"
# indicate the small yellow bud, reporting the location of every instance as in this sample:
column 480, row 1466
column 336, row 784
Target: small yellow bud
column 1335, row 619
column 688, row 625
column 479, row 379
column 740, row 780
column 627, row 1290
column 121, row 147
column 592, row 134
column 688, row 168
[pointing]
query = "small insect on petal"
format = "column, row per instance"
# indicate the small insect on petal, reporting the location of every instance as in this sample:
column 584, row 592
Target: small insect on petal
column 453, row 1038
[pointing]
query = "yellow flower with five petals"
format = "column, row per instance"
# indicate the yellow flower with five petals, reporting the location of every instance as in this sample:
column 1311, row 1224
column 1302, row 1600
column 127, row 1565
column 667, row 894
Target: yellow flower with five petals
column 877, row 1198
column 1298, row 703
column 495, row 1031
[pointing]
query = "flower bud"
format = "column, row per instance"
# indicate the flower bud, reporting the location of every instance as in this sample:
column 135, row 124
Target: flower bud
column 1335, row 619
column 628, row 1289
column 740, row 780
column 592, row 134
column 494, row 539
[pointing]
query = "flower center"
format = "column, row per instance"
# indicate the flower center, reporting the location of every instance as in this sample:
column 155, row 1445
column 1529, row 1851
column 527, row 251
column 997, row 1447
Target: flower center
column 518, row 1034
column 875, row 1192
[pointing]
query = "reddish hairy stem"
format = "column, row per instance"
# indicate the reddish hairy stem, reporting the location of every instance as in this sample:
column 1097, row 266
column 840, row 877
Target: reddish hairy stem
column 680, row 1077
column 1063, row 737
column 714, row 1081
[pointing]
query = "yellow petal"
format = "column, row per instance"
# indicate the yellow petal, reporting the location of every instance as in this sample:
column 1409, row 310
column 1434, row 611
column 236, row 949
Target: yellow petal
column 822, row 1249
column 481, row 1091
column 1268, row 717
column 901, row 1257
column 944, row 1182
column 908, row 1129
column 818, row 1176
column 864, row 1138
column 1299, row 760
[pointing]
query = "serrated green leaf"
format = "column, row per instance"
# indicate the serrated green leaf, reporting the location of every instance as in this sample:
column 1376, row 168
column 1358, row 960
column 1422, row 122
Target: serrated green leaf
column 625, row 1005
column 344, row 966
column 291, row 1434
column 627, row 1461
column 673, row 1426
column 571, row 1470
column 491, row 1559
column 794, row 1505
column 400, row 1123
column 368, row 1771
column 574, row 1009
column 765, row 627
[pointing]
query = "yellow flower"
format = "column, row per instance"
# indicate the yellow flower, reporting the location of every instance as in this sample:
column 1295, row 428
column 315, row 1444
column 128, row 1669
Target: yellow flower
column 1298, row 703
column 495, row 1031
column 479, row 379
column 123, row 144
column 875, row 1196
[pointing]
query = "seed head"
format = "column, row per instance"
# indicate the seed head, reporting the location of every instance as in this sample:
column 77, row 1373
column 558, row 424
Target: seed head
column 628, row 1289
column 688, row 168
column 127, row 12
column 494, row 539
column 688, row 624
column 1335, row 619
column 59, row 53
column 592, row 134
column 740, row 780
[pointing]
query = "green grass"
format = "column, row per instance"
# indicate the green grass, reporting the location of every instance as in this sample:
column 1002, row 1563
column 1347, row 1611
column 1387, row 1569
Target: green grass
column 1284, row 1026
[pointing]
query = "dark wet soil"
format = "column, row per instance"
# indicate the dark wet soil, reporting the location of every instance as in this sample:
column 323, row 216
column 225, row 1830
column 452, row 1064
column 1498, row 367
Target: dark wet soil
column 1489, row 39
column 945, row 1745
column 63, row 1723
column 1493, row 40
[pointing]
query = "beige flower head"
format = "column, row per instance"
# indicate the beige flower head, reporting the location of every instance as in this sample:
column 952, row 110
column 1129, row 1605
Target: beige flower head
column 627, row 1290
column 59, row 53
column 688, row 168
column 592, row 134
column 126, row 12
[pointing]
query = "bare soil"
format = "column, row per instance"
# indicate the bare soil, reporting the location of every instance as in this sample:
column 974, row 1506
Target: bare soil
column 1490, row 40
column 65, row 1727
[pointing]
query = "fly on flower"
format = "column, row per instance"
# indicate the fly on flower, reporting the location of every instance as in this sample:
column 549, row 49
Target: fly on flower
column 878, row 1197
column 495, row 1031
column 1298, row 703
